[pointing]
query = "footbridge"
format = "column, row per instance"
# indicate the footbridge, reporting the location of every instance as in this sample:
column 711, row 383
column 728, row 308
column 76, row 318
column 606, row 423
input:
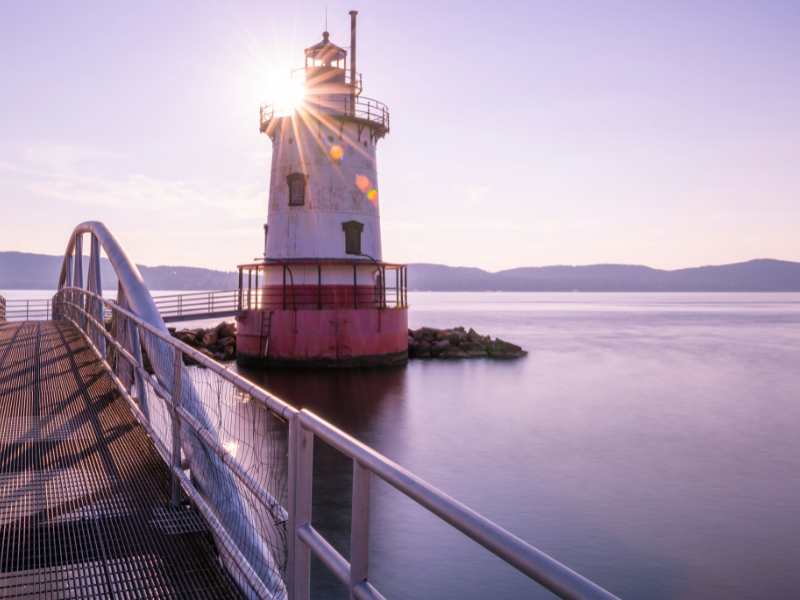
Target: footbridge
column 187, row 306
column 125, row 473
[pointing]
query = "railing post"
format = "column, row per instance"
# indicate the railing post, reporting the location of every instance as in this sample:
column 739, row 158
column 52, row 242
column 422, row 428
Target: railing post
column 249, row 288
column 136, row 350
column 405, row 286
column 301, row 469
column 95, row 284
column 359, row 528
column 239, row 307
column 77, row 272
column 383, row 287
column 77, row 277
column 319, row 286
column 355, row 286
column 176, row 424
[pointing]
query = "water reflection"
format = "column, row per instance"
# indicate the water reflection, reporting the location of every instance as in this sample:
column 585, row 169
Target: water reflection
column 649, row 441
column 358, row 401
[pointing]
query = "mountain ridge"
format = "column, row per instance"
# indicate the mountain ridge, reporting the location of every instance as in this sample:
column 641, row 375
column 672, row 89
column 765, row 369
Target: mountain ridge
column 22, row 270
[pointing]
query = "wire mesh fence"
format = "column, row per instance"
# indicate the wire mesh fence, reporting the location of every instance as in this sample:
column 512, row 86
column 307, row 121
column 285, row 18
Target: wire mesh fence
column 226, row 442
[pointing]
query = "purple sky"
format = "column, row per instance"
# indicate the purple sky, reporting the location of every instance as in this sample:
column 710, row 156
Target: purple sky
column 523, row 133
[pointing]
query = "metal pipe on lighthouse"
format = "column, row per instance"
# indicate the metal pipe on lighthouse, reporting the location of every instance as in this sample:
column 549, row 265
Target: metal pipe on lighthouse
column 353, row 15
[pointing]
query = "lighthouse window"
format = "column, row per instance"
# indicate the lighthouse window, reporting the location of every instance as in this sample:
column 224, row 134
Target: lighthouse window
column 352, row 236
column 297, row 189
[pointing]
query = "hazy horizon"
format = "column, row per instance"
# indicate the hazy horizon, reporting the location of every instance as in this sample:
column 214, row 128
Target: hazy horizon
column 532, row 134
column 453, row 266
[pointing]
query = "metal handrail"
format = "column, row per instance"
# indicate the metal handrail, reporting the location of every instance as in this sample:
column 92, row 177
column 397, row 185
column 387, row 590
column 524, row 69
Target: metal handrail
column 17, row 309
column 256, row 294
column 524, row 557
column 368, row 109
column 360, row 108
column 172, row 307
column 198, row 305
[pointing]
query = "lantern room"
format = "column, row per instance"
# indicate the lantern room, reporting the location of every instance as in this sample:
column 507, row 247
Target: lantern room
column 326, row 69
column 325, row 55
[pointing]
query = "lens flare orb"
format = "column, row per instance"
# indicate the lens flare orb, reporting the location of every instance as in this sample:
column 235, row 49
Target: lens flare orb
column 363, row 183
column 336, row 153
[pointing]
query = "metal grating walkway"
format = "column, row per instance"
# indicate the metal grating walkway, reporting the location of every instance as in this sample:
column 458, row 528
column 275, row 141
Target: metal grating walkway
column 84, row 496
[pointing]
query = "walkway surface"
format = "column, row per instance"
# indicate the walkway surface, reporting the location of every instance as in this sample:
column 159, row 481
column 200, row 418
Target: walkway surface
column 84, row 496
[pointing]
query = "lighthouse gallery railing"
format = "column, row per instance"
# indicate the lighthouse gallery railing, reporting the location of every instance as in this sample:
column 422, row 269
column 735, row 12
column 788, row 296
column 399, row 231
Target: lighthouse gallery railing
column 228, row 431
column 360, row 108
column 389, row 289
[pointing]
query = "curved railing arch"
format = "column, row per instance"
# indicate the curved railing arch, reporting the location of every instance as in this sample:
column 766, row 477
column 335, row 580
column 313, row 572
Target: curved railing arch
column 130, row 280
column 82, row 302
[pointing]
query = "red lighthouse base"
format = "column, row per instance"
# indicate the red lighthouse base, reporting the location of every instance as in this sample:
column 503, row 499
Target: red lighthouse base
column 329, row 337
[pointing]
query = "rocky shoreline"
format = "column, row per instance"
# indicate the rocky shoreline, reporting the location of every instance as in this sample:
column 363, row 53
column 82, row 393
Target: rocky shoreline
column 427, row 342
column 219, row 343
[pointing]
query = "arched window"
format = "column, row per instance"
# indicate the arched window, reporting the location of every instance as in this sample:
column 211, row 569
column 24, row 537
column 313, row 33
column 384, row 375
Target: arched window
column 297, row 189
column 352, row 236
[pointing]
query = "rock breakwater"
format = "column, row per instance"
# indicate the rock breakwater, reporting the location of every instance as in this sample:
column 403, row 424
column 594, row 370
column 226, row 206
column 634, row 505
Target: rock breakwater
column 217, row 342
column 428, row 342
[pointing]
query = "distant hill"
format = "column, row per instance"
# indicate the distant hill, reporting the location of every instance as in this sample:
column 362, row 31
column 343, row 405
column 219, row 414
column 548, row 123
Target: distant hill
column 24, row 271
column 762, row 275
column 19, row 270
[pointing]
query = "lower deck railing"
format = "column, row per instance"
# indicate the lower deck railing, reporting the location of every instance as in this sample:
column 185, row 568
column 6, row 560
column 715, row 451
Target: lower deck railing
column 265, row 448
column 25, row 310
column 198, row 305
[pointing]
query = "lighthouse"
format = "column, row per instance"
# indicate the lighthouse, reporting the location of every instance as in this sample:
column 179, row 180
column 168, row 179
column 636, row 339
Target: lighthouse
column 322, row 294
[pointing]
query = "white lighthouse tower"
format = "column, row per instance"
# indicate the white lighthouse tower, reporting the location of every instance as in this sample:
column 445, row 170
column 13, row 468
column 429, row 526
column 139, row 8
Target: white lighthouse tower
column 323, row 293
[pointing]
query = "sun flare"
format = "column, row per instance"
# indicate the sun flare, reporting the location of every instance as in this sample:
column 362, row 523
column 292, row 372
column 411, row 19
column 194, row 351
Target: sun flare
column 287, row 93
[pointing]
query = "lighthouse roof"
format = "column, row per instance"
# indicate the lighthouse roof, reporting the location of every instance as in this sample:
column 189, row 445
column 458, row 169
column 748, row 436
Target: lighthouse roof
column 325, row 48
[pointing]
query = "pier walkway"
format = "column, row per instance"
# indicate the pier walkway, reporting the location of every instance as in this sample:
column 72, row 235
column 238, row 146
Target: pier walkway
column 84, row 497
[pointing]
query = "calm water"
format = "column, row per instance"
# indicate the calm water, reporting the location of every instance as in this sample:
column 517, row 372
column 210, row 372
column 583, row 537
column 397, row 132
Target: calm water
column 650, row 441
